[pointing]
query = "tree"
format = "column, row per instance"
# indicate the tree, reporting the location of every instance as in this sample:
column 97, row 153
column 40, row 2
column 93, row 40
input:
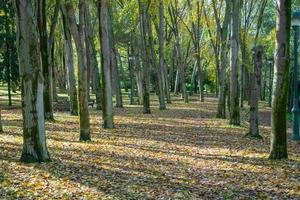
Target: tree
column 255, row 91
column 69, row 62
column 158, row 66
column 144, row 12
column 47, row 70
column 78, row 32
column 116, row 84
column 107, row 105
column 92, row 57
column 32, row 84
column 162, row 67
column 234, row 64
column 219, row 44
column 281, row 80
column 174, row 16
column 1, row 125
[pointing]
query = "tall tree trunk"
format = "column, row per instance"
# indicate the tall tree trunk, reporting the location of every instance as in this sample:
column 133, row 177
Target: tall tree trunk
column 114, row 63
column 234, row 64
column 8, row 73
column 131, row 72
column 139, row 80
column 281, row 81
column 181, row 71
column 47, row 70
column 51, row 50
column 69, row 61
column 107, row 105
column 255, row 92
column 160, row 68
column 93, row 60
column 78, row 36
column 270, row 85
column 177, row 82
column 1, row 125
column 32, row 84
column 221, row 111
column 145, row 56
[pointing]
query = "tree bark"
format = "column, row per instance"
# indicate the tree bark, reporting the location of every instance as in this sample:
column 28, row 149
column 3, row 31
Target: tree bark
column 221, row 110
column 160, row 68
column 281, row 81
column 47, row 70
column 116, row 84
column 78, row 36
column 1, row 124
column 143, row 9
column 69, row 61
column 107, row 105
column 32, row 84
column 234, row 64
column 255, row 92
column 93, row 60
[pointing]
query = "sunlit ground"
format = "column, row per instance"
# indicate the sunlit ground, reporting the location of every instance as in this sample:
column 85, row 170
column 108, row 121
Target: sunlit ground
column 180, row 153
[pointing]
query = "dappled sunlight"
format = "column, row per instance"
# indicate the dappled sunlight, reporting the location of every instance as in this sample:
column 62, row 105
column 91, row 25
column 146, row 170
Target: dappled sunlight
column 147, row 156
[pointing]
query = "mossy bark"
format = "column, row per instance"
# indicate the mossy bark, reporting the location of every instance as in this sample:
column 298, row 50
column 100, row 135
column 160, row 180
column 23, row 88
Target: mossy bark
column 32, row 85
column 281, row 81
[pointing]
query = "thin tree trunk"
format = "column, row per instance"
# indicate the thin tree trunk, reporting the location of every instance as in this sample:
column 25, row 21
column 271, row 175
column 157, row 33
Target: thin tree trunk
column 114, row 63
column 93, row 61
column 234, row 63
column 32, row 84
column 1, row 125
column 255, row 92
column 160, row 70
column 145, row 56
column 8, row 73
column 107, row 105
column 69, row 61
column 281, row 81
column 47, row 70
column 221, row 111
column 131, row 73
column 78, row 36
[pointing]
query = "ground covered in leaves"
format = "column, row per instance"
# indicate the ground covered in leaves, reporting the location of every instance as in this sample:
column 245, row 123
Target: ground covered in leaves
column 181, row 153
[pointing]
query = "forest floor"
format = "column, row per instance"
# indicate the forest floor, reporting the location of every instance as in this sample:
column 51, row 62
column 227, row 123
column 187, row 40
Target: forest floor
column 181, row 153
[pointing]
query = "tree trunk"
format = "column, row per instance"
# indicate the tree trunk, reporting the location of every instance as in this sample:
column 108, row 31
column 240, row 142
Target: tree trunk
column 47, row 70
column 1, row 125
column 160, row 68
column 234, row 63
column 139, row 80
column 255, row 92
column 145, row 56
column 78, row 36
column 69, row 61
column 114, row 63
column 8, row 73
column 32, row 84
column 221, row 111
column 281, row 81
column 93, row 60
column 131, row 72
column 107, row 105
column 181, row 71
